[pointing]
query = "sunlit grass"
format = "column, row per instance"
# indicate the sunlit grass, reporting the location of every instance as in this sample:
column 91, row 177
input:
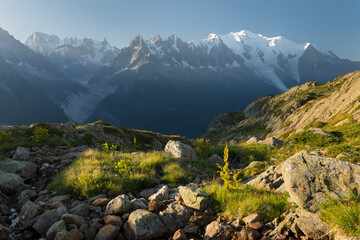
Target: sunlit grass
column 343, row 214
column 100, row 172
column 245, row 201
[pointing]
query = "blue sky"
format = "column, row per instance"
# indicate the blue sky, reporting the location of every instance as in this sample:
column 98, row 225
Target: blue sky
column 330, row 24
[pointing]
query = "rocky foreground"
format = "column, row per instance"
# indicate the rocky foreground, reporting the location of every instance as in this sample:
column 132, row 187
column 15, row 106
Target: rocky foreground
column 29, row 211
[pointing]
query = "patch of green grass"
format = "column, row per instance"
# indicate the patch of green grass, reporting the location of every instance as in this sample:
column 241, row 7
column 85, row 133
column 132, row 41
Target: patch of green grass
column 344, row 214
column 333, row 151
column 245, row 201
column 254, row 170
column 315, row 140
column 102, row 172
column 205, row 166
column 175, row 174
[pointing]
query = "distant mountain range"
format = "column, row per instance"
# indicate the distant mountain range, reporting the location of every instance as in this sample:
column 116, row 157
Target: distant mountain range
column 166, row 85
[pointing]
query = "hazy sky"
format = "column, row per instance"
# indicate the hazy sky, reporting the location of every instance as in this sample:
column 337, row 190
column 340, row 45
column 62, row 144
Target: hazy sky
column 330, row 24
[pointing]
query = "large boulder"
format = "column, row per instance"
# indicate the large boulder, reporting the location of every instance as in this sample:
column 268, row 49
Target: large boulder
column 22, row 153
column 10, row 183
column 118, row 205
column 195, row 198
column 145, row 225
column 312, row 179
column 26, row 170
column 181, row 150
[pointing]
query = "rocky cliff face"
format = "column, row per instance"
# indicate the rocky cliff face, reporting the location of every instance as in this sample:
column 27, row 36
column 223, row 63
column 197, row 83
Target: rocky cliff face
column 296, row 109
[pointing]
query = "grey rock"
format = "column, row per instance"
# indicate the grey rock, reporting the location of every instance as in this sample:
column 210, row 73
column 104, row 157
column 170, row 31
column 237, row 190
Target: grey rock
column 270, row 179
column 118, row 205
column 312, row 179
column 175, row 216
column 342, row 122
column 28, row 212
column 216, row 230
column 195, row 198
column 139, row 203
column 320, row 131
column 113, row 220
column 22, row 153
column 143, row 224
column 248, row 233
column 26, row 170
column 58, row 226
column 311, row 225
column 253, row 140
column 162, row 194
column 47, row 219
column 147, row 193
column 59, row 199
column 108, row 232
column 73, row 219
column 272, row 142
column 81, row 209
column 181, row 150
column 10, row 183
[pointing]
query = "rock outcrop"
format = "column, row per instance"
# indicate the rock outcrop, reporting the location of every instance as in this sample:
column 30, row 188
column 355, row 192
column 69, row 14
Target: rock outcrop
column 312, row 179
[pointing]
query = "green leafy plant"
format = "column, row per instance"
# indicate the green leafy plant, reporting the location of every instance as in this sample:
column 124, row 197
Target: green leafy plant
column 204, row 147
column 113, row 147
column 135, row 146
column 40, row 135
column 105, row 147
column 231, row 179
column 4, row 136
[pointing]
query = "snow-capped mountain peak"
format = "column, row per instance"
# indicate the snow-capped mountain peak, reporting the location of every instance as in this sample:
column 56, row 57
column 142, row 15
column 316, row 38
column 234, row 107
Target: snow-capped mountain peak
column 87, row 51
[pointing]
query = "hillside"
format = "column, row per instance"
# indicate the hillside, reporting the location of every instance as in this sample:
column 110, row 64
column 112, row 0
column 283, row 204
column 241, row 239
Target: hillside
column 327, row 105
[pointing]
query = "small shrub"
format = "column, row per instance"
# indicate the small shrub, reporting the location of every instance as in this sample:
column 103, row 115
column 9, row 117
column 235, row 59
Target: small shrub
column 204, row 147
column 40, row 135
column 319, row 124
column 314, row 140
column 88, row 138
column 231, row 179
column 4, row 136
column 333, row 151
